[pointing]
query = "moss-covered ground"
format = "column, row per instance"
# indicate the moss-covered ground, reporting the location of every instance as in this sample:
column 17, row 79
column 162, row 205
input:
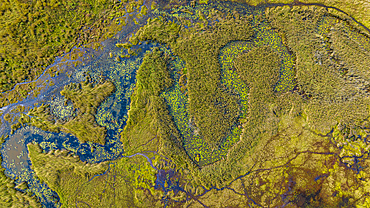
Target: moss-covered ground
column 59, row 170
column 85, row 99
column 290, row 72
column 232, row 106
column 36, row 32
column 127, row 182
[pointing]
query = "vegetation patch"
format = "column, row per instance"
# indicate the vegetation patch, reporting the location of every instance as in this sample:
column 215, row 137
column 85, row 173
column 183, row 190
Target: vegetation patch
column 86, row 98
column 232, row 106
column 62, row 173
column 36, row 32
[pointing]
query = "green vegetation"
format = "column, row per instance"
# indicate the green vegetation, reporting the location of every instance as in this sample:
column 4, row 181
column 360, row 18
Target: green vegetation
column 359, row 12
column 62, row 173
column 327, row 78
column 296, row 166
column 40, row 117
column 9, row 196
column 22, row 91
column 282, row 140
column 159, row 30
column 61, row 109
column 35, row 32
column 259, row 69
column 319, row 98
column 266, row 109
column 153, row 74
column 127, row 182
column 308, row 169
column 214, row 109
column 86, row 98
column 121, row 74
column 203, row 84
column 148, row 114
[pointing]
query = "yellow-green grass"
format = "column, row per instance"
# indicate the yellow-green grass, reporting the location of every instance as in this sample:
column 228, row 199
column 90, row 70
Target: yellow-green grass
column 126, row 182
column 149, row 125
column 322, row 76
column 86, row 98
column 36, row 32
column 287, row 153
column 299, row 165
column 299, row 37
column 358, row 9
column 148, row 114
column 197, row 149
column 62, row 173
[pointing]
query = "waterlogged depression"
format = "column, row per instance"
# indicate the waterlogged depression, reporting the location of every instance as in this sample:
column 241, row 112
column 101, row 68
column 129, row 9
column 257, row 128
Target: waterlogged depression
column 153, row 163
column 112, row 114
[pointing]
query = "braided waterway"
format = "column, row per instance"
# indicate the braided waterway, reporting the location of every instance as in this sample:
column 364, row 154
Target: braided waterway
column 111, row 114
column 14, row 150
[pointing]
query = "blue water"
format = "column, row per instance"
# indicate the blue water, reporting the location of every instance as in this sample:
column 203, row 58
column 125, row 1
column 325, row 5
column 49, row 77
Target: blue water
column 123, row 74
column 112, row 114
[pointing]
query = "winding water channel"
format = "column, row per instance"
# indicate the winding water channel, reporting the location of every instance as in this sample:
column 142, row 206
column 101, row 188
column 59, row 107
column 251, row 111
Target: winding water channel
column 14, row 150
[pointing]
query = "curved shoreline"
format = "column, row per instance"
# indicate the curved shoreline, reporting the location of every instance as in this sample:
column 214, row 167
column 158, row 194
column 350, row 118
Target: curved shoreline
column 267, row 6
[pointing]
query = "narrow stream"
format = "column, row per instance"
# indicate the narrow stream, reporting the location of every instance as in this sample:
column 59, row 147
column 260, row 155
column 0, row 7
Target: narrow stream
column 112, row 113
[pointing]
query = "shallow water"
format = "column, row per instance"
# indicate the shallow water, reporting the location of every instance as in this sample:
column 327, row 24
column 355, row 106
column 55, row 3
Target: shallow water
column 112, row 114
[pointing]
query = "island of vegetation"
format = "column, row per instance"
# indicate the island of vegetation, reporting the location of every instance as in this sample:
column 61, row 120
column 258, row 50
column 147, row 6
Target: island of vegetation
column 203, row 104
